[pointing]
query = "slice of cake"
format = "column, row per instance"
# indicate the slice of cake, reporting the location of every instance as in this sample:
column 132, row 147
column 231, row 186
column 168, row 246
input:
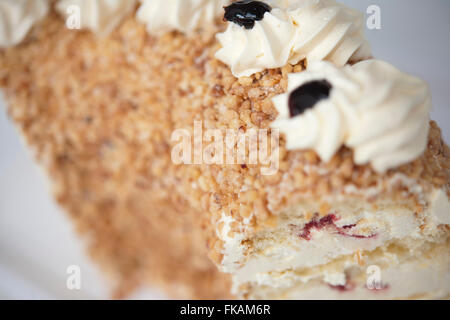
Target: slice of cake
column 341, row 228
column 344, row 194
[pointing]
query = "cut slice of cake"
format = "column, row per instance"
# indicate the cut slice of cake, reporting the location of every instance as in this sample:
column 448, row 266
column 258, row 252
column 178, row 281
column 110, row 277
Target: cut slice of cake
column 353, row 202
column 339, row 230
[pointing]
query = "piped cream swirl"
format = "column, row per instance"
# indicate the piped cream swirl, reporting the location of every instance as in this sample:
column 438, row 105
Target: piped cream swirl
column 373, row 108
column 17, row 17
column 186, row 16
column 329, row 31
column 99, row 16
column 389, row 125
column 295, row 30
column 267, row 45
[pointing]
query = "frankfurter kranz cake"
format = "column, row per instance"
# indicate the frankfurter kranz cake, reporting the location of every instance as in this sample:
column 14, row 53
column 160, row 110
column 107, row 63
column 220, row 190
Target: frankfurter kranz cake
column 352, row 204
column 394, row 224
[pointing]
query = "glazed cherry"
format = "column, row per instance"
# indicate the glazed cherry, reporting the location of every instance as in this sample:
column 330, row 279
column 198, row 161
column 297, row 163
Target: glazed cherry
column 245, row 13
column 307, row 96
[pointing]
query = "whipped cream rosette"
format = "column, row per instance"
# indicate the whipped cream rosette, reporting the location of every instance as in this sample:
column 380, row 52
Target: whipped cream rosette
column 17, row 17
column 291, row 31
column 321, row 125
column 100, row 16
column 389, row 124
column 267, row 45
column 182, row 15
column 328, row 31
column 371, row 107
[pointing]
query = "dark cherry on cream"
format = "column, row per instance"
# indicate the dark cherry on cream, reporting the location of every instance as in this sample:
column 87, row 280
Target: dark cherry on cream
column 245, row 13
column 307, row 95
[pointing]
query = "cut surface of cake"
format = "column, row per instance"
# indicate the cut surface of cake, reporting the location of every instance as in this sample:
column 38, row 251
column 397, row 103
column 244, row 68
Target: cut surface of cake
column 324, row 243
column 357, row 206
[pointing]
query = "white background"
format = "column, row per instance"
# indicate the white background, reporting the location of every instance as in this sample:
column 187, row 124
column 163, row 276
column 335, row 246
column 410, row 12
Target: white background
column 37, row 243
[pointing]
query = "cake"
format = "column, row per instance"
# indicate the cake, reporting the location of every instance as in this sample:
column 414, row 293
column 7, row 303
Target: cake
column 346, row 195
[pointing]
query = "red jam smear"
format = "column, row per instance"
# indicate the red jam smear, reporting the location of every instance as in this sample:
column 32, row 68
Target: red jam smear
column 329, row 221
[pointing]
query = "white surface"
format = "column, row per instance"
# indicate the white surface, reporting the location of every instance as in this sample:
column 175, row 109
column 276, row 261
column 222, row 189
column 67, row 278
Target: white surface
column 37, row 243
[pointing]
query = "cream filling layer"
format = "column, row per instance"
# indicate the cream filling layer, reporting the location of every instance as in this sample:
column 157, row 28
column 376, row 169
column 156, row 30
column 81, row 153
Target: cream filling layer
column 327, row 244
column 290, row 247
column 427, row 277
